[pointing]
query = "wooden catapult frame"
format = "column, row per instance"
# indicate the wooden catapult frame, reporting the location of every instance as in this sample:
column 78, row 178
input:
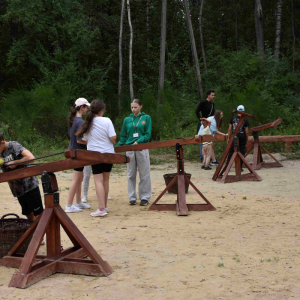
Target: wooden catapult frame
column 257, row 147
column 180, row 205
column 237, row 157
column 33, row 267
column 225, row 166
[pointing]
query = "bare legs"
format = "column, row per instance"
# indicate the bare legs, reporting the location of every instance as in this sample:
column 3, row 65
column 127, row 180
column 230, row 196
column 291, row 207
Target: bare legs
column 106, row 185
column 75, row 187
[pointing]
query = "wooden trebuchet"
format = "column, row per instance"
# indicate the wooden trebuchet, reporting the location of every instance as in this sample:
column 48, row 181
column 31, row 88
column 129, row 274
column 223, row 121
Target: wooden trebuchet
column 180, row 205
column 222, row 171
column 257, row 148
column 33, row 267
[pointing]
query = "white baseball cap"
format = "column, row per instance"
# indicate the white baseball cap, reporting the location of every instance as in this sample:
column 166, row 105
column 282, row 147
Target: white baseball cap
column 241, row 108
column 81, row 101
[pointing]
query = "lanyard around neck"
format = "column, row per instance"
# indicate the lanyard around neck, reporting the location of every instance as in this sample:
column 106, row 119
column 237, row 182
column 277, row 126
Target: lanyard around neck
column 135, row 127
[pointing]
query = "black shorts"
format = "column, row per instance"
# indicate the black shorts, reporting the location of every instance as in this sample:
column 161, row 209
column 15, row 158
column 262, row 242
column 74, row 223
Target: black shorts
column 101, row 168
column 79, row 169
column 31, row 202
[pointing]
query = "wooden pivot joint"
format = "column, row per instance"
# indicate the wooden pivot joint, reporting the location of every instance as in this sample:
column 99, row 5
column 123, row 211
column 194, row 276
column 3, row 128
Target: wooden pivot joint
column 33, row 267
column 180, row 205
column 224, row 167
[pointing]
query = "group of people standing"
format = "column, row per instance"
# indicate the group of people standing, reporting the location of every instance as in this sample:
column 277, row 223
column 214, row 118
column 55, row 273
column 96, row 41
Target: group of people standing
column 210, row 123
column 97, row 133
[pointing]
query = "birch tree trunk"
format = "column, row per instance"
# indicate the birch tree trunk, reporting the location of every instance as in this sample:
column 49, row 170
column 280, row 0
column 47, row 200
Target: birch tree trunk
column 120, row 60
column 193, row 47
column 130, row 53
column 293, row 32
column 259, row 27
column 161, row 80
column 278, row 29
column 201, row 36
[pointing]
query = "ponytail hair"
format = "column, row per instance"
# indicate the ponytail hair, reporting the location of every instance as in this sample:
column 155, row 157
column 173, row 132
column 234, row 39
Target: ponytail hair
column 96, row 106
column 73, row 112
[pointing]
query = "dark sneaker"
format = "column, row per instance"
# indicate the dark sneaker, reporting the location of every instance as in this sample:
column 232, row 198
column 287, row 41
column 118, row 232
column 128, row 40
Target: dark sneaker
column 132, row 202
column 203, row 167
column 242, row 170
column 207, row 168
column 144, row 203
column 214, row 163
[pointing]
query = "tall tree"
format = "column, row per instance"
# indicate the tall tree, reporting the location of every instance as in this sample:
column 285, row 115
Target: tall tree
column 120, row 60
column 201, row 35
column 278, row 29
column 130, row 53
column 162, row 50
column 293, row 33
column 259, row 27
column 193, row 48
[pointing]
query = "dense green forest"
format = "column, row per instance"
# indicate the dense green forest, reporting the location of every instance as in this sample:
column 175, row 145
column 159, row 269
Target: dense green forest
column 53, row 52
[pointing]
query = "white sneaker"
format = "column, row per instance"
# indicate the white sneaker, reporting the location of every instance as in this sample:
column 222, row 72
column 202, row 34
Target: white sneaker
column 99, row 213
column 108, row 198
column 72, row 209
column 82, row 205
column 107, row 210
column 43, row 242
column 84, row 199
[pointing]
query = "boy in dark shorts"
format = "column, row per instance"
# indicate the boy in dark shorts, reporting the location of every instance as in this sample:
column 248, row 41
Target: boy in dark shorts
column 26, row 190
column 242, row 134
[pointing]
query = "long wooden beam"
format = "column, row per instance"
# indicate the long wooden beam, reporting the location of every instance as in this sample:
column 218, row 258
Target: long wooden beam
column 170, row 143
column 276, row 138
column 75, row 159
column 266, row 126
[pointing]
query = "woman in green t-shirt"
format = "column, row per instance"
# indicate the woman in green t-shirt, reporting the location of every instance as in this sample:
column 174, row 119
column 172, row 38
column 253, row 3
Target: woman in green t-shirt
column 136, row 129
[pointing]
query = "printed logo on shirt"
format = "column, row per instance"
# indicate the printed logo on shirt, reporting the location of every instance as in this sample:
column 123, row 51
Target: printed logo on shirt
column 8, row 158
column 143, row 122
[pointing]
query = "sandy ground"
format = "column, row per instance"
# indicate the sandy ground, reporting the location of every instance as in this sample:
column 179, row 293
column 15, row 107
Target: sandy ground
column 246, row 249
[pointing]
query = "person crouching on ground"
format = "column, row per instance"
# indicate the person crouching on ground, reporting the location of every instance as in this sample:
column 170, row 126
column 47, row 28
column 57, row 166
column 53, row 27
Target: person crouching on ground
column 27, row 189
column 100, row 135
column 207, row 146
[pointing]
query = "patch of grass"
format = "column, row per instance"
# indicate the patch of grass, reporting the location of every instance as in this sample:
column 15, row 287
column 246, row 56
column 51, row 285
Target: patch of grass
column 236, row 258
column 220, row 265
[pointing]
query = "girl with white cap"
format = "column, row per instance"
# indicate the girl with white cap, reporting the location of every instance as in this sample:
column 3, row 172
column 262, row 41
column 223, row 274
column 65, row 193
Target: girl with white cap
column 75, row 121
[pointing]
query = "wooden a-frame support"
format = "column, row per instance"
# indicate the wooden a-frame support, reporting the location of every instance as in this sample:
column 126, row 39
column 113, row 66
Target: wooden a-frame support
column 257, row 155
column 222, row 171
column 33, row 267
column 180, row 205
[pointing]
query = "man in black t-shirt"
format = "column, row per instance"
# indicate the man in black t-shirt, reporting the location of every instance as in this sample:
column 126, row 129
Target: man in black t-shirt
column 242, row 134
column 207, row 109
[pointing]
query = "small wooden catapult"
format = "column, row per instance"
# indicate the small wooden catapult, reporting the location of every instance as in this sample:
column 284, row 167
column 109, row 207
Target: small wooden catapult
column 257, row 147
column 33, row 267
column 237, row 157
column 180, row 205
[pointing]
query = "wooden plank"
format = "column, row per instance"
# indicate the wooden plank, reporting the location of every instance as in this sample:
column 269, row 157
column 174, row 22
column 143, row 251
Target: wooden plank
column 170, row 143
column 181, row 200
column 275, row 139
column 79, row 268
column 265, row 126
column 65, row 164
column 106, row 158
